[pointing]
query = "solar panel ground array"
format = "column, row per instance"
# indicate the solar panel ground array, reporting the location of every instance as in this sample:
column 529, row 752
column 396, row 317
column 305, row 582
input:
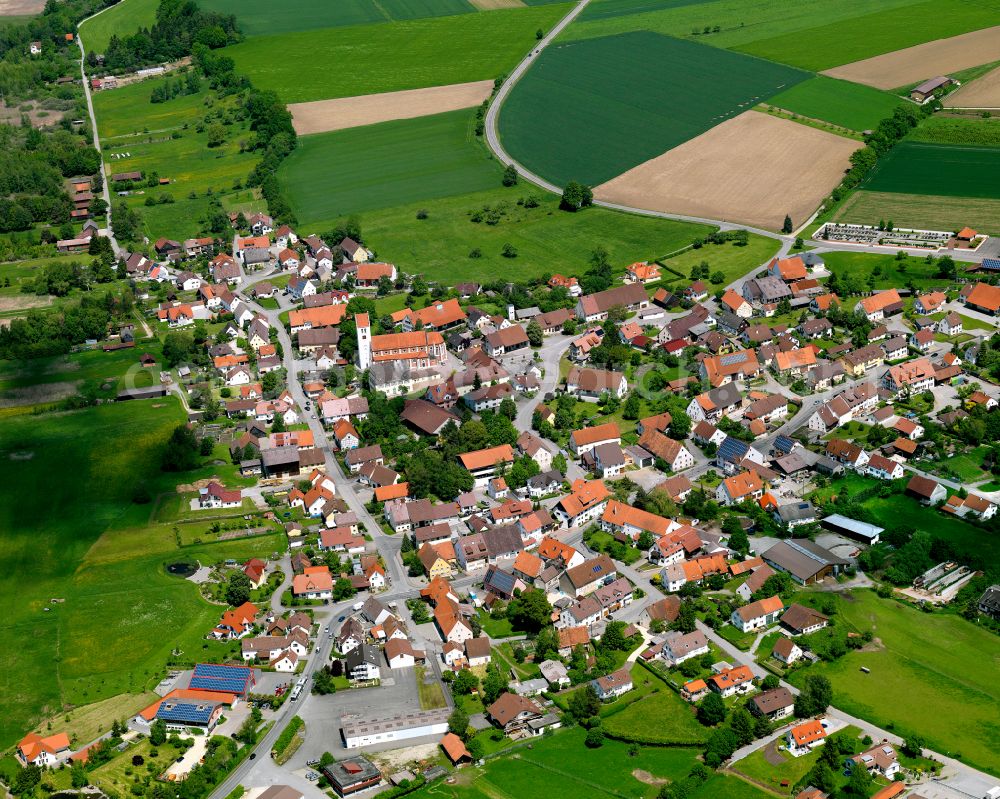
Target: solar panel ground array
column 589, row 110
column 943, row 170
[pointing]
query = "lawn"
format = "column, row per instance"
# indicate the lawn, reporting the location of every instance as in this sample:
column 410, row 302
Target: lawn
column 117, row 775
column 921, row 211
column 546, row 239
column 390, row 164
column 958, row 130
column 260, row 18
column 590, row 110
column 783, row 778
column 850, row 105
column 169, row 145
column 86, row 544
column 948, row 664
column 823, row 46
column 122, row 19
column 734, row 262
column 938, row 169
column 392, row 56
column 431, row 694
column 560, row 765
column 891, row 273
column 660, row 718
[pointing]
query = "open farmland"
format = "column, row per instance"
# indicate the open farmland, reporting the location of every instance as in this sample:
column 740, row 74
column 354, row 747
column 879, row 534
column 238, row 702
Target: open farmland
column 753, row 169
column 847, row 104
column 914, row 64
column 983, row 92
column 739, row 21
column 907, row 660
column 882, row 31
column 321, row 116
column 260, row 18
column 546, row 239
column 394, row 163
column 83, row 540
column 172, row 148
column 611, row 96
column 940, row 129
column 392, row 56
column 123, row 19
column 945, row 170
column 922, row 211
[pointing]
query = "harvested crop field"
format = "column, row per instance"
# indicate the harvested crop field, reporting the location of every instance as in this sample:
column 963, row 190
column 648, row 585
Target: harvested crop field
column 752, row 169
column 493, row 5
column 983, row 92
column 321, row 116
column 19, row 8
column 923, row 211
column 915, row 64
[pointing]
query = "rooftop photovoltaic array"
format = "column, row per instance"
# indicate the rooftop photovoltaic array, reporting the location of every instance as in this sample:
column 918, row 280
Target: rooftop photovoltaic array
column 215, row 677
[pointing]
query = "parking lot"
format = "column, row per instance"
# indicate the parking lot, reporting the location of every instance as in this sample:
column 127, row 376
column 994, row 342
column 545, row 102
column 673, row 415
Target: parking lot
column 322, row 714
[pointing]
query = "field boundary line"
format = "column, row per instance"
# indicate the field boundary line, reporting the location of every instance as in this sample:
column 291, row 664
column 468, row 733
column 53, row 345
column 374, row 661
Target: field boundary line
column 495, row 145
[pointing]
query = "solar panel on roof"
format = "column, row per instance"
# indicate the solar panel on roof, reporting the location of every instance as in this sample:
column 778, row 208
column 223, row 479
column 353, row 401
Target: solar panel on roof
column 729, row 360
column 991, row 263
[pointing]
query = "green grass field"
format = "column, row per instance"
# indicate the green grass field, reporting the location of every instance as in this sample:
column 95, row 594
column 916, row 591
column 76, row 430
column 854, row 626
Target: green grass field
column 392, row 56
column 72, row 533
column 944, row 170
column 739, row 21
column 163, row 138
column 560, row 765
column 926, row 671
column 394, row 163
column 838, row 101
column 122, row 19
column 891, row 273
column 590, row 110
column 921, row 211
column 127, row 110
column 260, row 18
column 881, row 31
column 727, row 258
column 958, row 130
column 546, row 239
column 659, row 718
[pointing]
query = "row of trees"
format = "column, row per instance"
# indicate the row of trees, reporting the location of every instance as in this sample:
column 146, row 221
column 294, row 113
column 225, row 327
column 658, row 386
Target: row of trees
column 179, row 26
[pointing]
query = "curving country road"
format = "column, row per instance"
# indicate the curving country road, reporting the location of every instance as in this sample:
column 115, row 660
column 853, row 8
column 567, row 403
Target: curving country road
column 495, row 145
column 105, row 193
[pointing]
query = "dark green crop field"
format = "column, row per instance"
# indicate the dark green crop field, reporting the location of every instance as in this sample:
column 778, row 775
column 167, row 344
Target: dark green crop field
column 589, row 110
column 850, row 105
column 385, row 165
column 260, row 18
column 947, row 171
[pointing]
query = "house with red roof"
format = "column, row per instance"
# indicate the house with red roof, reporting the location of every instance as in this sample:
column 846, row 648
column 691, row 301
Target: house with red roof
column 49, row 751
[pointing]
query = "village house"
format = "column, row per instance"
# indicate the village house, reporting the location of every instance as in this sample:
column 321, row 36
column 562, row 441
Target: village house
column 757, row 615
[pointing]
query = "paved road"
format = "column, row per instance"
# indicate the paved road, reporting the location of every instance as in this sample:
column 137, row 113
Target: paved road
column 388, row 546
column 105, row 193
column 493, row 140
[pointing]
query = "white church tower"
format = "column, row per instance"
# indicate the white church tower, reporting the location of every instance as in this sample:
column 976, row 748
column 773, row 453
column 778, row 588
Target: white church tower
column 364, row 341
